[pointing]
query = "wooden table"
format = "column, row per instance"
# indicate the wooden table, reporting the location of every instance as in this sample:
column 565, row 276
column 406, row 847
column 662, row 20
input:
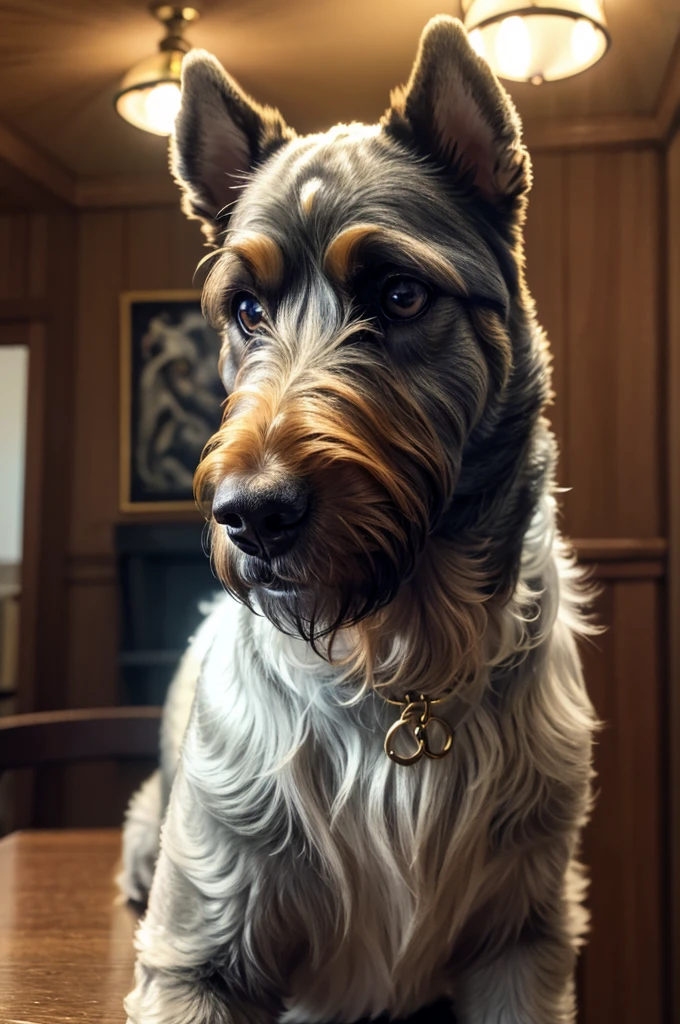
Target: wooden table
column 66, row 951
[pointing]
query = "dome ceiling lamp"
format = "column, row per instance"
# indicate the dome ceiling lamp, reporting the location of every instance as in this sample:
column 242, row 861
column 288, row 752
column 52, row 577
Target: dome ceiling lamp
column 149, row 96
column 537, row 40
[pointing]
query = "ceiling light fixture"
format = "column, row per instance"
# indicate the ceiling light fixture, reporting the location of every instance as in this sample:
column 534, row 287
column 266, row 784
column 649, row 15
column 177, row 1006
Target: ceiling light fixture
column 537, row 40
column 149, row 95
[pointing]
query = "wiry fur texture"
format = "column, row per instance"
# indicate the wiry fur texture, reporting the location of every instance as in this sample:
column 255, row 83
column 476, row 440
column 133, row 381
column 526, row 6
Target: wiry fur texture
column 302, row 875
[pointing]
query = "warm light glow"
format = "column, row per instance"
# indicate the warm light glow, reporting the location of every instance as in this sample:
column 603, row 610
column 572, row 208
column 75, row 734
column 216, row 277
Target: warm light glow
column 513, row 48
column 538, row 41
column 583, row 41
column 477, row 43
column 161, row 105
column 149, row 96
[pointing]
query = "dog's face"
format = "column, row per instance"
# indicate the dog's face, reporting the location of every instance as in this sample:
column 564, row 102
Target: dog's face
column 364, row 286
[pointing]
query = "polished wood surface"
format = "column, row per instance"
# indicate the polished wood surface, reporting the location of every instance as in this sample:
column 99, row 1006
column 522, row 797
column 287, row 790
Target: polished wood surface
column 66, row 943
column 66, row 950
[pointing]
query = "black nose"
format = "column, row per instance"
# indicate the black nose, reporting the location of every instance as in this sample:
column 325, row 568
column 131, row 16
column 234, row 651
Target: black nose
column 261, row 521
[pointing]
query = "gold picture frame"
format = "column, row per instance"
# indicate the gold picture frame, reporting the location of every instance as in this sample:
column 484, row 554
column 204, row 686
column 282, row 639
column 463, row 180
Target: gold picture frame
column 164, row 337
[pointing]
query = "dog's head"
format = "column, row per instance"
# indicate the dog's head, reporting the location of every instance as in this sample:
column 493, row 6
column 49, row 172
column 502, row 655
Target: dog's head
column 367, row 284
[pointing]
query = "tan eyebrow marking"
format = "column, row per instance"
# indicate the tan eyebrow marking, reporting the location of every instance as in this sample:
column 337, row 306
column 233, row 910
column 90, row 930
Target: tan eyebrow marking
column 308, row 194
column 340, row 258
column 340, row 254
column 262, row 254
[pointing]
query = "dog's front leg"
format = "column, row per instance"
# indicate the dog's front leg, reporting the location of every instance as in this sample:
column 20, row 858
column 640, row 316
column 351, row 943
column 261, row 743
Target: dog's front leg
column 191, row 966
column 185, row 997
column 529, row 983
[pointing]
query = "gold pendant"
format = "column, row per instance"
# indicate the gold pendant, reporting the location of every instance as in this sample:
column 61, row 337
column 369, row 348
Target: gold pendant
column 417, row 717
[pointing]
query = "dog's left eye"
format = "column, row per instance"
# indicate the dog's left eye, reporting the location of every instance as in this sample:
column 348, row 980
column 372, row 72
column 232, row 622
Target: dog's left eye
column 404, row 298
column 249, row 313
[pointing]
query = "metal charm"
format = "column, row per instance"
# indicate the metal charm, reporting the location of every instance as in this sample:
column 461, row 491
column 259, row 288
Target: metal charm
column 416, row 717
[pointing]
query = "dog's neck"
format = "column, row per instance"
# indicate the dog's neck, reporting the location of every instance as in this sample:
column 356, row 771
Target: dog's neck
column 465, row 608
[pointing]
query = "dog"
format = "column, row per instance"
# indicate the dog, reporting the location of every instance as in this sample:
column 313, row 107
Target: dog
column 387, row 763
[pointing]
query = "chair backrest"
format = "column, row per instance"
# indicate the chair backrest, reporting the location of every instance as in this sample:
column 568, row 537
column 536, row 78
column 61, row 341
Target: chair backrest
column 93, row 734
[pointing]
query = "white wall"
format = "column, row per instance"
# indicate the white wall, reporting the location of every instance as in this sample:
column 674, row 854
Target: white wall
column 13, row 394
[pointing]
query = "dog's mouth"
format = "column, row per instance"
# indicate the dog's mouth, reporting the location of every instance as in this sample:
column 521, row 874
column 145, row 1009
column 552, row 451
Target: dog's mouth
column 262, row 576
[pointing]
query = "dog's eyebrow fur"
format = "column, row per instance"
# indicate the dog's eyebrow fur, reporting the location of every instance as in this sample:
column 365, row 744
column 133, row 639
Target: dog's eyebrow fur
column 341, row 256
column 308, row 193
column 261, row 254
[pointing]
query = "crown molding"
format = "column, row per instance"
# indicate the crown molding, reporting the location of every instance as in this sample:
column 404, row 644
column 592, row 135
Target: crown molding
column 590, row 132
column 541, row 135
column 160, row 190
column 144, row 190
column 41, row 168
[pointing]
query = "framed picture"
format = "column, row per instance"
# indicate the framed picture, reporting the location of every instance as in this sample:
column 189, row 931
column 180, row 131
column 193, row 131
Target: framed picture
column 171, row 398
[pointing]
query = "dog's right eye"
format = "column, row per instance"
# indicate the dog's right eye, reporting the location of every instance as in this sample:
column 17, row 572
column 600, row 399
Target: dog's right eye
column 404, row 298
column 248, row 312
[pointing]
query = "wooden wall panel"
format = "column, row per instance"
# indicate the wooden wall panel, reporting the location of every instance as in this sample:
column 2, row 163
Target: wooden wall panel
column 545, row 237
column 37, row 291
column 621, row 974
column 593, row 262
column 23, row 254
column 673, row 452
column 612, row 325
column 119, row 250
column 594, row 244
column 101, row 278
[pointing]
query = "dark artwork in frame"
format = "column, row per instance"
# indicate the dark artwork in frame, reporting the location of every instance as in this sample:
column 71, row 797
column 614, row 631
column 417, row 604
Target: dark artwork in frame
column 171, row 398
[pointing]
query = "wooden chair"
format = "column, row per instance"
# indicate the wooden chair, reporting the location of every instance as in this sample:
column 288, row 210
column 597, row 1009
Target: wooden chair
column 93, row 734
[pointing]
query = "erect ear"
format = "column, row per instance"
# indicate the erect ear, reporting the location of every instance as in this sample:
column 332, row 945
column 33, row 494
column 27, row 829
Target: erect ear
column 455, row 111
column 220, row 134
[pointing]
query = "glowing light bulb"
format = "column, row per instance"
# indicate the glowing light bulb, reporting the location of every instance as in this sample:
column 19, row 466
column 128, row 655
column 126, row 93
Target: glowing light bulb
column 584, row 41
column 161, row 107
column 477, row 43
column 513, row 48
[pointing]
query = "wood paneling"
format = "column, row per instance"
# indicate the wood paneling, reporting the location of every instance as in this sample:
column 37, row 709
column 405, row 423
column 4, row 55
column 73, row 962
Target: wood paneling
column 613, row 309
column 37, row 290
column 673, row 309
column 119, row 250
column 621, row 974
column 593, row 263
column 594, row 245
column 545, row 233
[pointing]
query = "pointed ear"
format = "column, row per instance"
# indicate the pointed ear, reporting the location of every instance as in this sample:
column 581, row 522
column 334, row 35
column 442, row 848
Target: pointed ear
column 220, row 134
column 455, row 111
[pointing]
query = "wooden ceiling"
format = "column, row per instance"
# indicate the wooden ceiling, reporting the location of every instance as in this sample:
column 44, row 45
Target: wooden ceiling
column 320, row 61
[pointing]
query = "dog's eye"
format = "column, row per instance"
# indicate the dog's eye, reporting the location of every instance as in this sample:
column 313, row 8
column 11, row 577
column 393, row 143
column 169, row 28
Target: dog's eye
column 404, row 298
column 249, row 312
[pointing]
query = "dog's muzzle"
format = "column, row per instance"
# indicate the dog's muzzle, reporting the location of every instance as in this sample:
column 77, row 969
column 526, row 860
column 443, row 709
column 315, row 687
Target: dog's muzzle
column 263, row 521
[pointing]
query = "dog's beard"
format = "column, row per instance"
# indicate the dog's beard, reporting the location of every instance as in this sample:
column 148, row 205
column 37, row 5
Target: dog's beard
column 320, row 587
column 379, row 476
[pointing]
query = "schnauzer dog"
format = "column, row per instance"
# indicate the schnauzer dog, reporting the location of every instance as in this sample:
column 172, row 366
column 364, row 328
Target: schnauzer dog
column 387, row 760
